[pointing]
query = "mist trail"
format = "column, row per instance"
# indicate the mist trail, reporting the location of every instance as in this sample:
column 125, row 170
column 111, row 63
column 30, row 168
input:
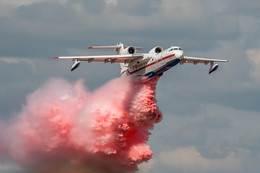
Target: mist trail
column 65, row 128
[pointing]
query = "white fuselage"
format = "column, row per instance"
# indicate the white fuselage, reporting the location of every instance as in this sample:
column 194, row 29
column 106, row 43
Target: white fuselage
column 153, row 64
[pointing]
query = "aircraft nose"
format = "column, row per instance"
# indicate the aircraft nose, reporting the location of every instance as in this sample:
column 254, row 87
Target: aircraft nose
column 179, row 54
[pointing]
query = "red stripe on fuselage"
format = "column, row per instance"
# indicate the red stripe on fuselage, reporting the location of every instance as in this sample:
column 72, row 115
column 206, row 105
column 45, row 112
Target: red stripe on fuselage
column 123, row 72
column 153, row 63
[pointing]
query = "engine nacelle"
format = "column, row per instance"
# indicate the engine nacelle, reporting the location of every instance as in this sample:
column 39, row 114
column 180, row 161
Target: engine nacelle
column 128, row 50
column 156, row 50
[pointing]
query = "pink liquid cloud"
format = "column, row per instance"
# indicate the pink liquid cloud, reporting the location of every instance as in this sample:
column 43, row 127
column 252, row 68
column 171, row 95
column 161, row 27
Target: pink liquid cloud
column 65, row 128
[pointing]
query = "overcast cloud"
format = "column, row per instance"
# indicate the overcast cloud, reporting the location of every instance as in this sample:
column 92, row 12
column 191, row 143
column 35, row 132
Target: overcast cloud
column 211, row 122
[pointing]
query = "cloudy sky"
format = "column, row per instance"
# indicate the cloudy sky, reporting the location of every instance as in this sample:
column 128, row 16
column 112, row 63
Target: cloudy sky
column 211, row 122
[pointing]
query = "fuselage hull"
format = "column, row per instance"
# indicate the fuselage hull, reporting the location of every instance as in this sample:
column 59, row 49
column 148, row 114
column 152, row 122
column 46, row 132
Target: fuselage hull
column 156, row 66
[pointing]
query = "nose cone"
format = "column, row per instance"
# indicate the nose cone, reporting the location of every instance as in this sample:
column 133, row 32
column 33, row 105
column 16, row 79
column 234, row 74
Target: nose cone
column 179, row 54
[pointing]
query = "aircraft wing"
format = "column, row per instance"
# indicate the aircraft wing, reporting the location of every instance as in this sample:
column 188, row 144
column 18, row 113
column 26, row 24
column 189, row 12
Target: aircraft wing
column 104, row 58
column 196, row 60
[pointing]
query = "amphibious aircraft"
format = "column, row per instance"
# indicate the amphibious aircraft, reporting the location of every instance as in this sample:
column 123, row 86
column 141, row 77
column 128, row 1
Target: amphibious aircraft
column 151, row 64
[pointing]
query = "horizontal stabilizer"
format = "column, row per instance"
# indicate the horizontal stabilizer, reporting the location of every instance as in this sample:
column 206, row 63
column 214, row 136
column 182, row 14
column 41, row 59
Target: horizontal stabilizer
column 112, row 47
column 105, row 47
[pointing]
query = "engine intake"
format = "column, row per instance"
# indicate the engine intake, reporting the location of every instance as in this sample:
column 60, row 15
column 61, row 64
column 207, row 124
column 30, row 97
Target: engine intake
column 156, row 50
column 128, row 50
column 131, row 50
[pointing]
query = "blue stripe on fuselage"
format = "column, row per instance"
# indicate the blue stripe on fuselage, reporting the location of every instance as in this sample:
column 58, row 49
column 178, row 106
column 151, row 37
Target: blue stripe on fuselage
column 166, row 67
column 155, row 62
column 162, row 69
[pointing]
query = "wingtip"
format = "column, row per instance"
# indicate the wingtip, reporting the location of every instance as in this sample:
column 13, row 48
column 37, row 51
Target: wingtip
column 90, row 47
column 55, row 57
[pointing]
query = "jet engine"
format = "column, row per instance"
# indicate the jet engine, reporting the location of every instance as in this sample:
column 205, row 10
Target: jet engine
column 128, row 50
column 156, row 50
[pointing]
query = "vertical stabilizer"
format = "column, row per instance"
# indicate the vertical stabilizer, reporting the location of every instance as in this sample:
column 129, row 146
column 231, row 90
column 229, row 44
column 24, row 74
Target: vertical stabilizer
column 120, row 50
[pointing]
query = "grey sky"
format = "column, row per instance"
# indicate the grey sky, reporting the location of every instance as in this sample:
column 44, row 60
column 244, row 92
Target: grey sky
column 211, row 119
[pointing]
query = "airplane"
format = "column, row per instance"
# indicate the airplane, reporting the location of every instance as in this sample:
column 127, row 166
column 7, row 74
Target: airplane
column 151, row 64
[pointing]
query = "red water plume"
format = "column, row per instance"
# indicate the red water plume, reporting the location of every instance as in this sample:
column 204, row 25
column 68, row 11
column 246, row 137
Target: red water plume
column 65, row 128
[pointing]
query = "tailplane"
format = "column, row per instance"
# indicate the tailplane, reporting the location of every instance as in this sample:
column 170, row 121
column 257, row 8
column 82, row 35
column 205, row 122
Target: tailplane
column 119, row 48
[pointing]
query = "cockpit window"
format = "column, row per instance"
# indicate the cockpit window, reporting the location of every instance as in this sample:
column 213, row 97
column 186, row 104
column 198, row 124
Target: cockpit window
column 175, row 48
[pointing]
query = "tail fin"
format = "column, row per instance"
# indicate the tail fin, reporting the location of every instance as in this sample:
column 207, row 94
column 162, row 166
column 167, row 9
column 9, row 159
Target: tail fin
column 120, row 49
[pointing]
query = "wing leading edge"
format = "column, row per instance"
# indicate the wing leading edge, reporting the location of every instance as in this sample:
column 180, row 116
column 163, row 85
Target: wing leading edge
column 196, row 60
column 104, row 58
